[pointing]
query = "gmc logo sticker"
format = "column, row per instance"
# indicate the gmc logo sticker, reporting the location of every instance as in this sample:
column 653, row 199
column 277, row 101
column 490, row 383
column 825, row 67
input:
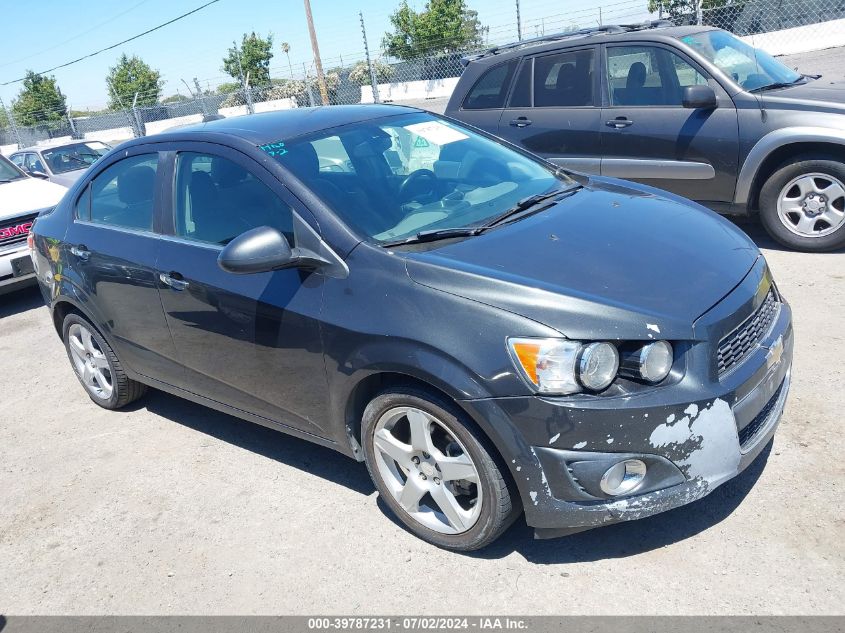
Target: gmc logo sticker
column 12, row 231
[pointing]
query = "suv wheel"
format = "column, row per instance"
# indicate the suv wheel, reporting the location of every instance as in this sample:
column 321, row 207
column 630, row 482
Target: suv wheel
column 97, row 366
column 434, row 471
column 802, row 205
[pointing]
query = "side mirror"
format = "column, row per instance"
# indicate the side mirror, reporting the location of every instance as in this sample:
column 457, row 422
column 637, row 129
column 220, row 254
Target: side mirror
column 258, row 250
column 263, row 249
column 38, row 174
column 699, row 97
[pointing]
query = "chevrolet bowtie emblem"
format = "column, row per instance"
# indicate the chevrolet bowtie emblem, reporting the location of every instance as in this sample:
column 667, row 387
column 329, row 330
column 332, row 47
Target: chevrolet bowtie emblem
column 775, row 352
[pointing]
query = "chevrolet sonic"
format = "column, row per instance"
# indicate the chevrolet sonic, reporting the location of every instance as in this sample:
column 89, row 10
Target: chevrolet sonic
column 489, row 333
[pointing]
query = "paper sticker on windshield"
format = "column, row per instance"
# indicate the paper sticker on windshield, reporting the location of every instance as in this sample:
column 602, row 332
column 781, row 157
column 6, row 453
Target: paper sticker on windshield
column 435, row 132
column 274, row 149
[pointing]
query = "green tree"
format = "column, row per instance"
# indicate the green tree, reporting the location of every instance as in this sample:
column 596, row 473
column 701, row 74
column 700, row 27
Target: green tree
column 177, row 98
column 255, row 53
column 443, row 26
column 360, row 73
column 676, row 9
column 133, row 76
column 39, row 101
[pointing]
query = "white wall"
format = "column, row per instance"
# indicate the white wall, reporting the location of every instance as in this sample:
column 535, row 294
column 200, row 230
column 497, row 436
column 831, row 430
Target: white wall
column 154, row 127
column 800, row 39
column 410, row 90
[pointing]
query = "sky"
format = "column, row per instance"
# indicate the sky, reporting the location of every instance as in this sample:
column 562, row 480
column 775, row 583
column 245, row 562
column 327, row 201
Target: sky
column 41, row 35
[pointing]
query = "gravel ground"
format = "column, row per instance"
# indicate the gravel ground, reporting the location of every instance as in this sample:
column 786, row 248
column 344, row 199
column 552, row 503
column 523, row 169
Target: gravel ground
column 173, row 508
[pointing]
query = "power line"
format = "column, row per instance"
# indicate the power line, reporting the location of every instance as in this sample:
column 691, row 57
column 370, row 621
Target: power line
column 108, row 48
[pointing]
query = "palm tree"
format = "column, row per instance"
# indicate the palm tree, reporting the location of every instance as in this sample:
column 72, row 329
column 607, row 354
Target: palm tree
column 286, row 51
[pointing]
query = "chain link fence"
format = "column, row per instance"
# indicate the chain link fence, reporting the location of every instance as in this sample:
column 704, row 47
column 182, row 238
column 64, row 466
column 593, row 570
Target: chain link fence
column 779, row 26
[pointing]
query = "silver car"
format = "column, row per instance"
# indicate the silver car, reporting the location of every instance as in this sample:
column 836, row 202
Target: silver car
column 60, row 163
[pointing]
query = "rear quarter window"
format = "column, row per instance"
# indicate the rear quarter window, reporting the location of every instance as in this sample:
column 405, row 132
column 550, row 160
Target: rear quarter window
column 491, row 89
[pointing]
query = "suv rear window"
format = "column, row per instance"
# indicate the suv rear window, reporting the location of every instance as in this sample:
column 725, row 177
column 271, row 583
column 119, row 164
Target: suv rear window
column 491, row 89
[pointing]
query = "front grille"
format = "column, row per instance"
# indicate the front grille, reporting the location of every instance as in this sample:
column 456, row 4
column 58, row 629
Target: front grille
column 749, row 434
column 736, row 346
column 16, row 229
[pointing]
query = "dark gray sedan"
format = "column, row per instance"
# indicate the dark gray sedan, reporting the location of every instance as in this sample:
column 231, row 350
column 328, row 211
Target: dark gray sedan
column 60, row 163
column 485, row 331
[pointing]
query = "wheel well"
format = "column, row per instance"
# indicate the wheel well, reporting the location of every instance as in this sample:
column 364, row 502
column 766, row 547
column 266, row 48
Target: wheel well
column 791, row 152
column 60, row 312
column 367, row 389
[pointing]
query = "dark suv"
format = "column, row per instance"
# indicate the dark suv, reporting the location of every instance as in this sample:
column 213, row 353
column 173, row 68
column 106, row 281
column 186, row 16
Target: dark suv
column 690, row 109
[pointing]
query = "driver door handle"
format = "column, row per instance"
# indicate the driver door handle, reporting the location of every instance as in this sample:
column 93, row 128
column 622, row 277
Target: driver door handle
column 174, row 280
column 80, row 251
column 521, row 122
column 619, row 122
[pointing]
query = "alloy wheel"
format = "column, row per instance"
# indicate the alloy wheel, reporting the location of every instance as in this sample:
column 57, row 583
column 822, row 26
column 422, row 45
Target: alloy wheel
column 90, row 362
column 812, row 205
column 428, row 470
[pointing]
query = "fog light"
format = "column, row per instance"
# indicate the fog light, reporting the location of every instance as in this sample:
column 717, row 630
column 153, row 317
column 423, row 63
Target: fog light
column 623, row 477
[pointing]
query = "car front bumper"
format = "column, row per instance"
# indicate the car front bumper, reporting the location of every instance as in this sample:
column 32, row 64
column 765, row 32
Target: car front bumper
column 693, row 435
column 16, row 269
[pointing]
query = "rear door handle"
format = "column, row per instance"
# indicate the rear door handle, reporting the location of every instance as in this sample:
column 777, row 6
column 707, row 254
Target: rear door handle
column 521, row 122
column 619, row 122
column 80, row 251
column 174, row 280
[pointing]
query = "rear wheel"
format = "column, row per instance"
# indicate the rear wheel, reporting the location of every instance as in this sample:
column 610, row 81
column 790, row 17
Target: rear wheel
column 434, row 471
column 97, row 366
column 802, row 205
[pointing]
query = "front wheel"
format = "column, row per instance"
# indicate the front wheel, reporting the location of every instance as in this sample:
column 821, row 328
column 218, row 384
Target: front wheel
column 802, row 205
column 434, row 471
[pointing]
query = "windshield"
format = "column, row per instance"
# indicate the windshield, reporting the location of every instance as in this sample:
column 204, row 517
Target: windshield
column 394, row 177
column 73, row 157
column 8, row 171
column 750, row 67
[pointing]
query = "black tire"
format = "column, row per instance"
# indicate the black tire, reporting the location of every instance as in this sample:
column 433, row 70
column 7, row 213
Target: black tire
column 771, row 191
column 124, row 389
column 500, row 504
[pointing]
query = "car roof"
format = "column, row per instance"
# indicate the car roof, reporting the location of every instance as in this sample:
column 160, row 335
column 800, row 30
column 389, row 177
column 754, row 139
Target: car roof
column 597, row 35
column 268, row 127
column 51, row 145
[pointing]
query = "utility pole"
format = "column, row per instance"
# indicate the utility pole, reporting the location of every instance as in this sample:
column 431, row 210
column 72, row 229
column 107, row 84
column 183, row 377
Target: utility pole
column 698, row 16
column 373, row 81
column 244, row 82
column 200, row 96
column 518, row 23
column 308, row 85
column 11, row 119
column 318, row 64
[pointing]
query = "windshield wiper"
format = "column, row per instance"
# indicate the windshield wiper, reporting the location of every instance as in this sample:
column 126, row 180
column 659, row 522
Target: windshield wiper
column 779, row 84
column 526, row 204
column 437, row 234
column 520, row 208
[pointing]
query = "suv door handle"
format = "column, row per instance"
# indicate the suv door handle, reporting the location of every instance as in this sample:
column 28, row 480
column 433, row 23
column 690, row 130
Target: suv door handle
column 174, row 280
column 80, row 251
column 619, row 122
column 521, row 122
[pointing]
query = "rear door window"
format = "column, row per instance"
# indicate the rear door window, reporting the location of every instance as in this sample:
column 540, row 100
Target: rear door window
column 491, row 89
column 564, row 79
column 123, row 194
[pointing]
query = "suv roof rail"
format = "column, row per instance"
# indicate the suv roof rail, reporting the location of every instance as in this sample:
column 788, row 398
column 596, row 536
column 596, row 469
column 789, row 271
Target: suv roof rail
column 554, row 37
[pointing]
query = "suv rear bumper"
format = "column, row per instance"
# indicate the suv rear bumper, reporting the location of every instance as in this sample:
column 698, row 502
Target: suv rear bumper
column 16, row 269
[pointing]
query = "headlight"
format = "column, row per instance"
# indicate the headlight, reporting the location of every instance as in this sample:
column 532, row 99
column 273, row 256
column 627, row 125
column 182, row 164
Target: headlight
column 597, row 365
column 559, row 366
column 652, row 362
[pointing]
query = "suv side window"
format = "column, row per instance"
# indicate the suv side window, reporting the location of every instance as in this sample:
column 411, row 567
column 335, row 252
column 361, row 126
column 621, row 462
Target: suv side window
column 564, row 79
column 217, row 200
column 648, row 76
column 491, row 89
column 122, row 195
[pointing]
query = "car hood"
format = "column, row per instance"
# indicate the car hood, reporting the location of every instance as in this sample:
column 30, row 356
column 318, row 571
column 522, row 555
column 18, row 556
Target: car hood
column 613, row 260
column 66, row 179
column 26, row 195
column 818, row 94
